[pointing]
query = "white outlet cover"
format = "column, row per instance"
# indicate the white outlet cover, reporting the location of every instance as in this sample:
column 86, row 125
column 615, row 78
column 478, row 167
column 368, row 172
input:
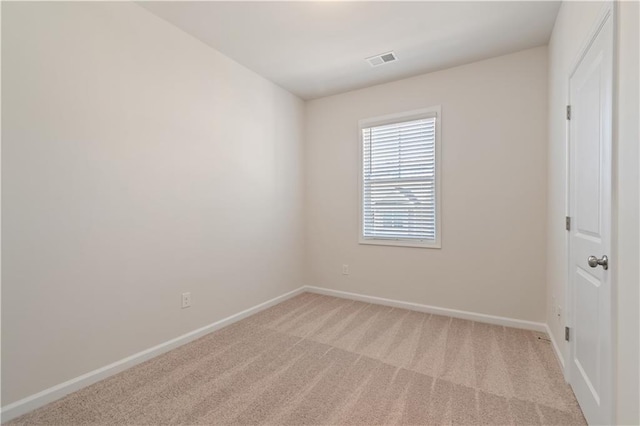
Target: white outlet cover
column 186, row 300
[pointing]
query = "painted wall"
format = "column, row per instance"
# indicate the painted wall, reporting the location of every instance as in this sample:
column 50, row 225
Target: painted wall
column 573, row 25
column 138, row 164
column 628, row 206
column 494, row 156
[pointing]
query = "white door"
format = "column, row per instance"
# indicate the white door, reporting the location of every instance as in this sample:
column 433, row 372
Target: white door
column 590, row 154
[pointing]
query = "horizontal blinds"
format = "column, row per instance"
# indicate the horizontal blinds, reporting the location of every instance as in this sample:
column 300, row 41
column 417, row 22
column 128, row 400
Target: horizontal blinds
column 399, row 180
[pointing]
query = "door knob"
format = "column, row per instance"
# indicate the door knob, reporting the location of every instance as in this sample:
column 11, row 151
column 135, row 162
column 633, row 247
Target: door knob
column 594, row 262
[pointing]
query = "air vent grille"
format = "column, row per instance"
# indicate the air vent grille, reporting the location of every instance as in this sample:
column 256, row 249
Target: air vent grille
column 383, row 58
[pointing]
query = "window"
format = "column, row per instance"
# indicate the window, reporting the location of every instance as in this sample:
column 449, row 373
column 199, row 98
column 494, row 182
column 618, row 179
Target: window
column 400, row 179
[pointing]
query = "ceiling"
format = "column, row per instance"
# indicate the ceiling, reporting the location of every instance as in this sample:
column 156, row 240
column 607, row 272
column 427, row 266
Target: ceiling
column 316, row 49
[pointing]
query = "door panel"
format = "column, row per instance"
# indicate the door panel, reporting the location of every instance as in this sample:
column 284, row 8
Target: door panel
column 590, row 146
column 587, row 152
column 587, row 336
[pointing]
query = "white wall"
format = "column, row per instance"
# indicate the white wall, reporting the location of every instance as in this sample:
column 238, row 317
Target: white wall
column 138, row 164
column 628, row 206
column 494, row 131
column 575, row 21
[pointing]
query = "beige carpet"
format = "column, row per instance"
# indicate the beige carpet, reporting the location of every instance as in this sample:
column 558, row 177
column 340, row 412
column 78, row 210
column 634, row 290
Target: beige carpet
column 322, row 360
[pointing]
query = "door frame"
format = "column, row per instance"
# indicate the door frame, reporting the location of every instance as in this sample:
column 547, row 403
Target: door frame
column 608, row 11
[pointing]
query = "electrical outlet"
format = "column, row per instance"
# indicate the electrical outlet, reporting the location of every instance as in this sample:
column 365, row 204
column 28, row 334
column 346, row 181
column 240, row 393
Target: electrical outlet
column 345, row 269
column 186, row 300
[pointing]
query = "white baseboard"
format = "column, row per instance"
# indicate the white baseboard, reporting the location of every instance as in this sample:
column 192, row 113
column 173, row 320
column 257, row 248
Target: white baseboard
column 556, row 348
column 473, row 316
column 489, row 319
column 53, row 393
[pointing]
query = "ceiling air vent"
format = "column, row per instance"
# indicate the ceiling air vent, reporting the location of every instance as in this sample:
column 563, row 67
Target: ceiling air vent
column 383, row 58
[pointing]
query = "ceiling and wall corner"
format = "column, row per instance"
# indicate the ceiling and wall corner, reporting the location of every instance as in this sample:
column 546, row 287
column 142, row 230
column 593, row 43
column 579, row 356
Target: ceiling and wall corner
column 318, row 48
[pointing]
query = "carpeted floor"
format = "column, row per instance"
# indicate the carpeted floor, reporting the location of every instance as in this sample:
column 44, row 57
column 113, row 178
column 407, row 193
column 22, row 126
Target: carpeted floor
column 322, row 360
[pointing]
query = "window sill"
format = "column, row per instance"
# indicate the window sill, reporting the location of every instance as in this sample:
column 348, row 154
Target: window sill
column 400, row 243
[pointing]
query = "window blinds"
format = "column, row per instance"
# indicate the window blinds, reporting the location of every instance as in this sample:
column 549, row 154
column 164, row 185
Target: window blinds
column 399, row 173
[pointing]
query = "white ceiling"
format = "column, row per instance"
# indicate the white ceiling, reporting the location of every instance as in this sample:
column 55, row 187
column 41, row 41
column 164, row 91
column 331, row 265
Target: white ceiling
column 315, row 49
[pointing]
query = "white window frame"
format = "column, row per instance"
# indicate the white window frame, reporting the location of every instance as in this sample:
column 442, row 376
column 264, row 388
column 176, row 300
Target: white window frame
column 391, row 119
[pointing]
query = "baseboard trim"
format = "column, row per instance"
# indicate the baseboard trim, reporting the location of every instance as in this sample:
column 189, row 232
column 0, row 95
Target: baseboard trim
column 53, row 393
column 556, row 348
column 473, row 316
